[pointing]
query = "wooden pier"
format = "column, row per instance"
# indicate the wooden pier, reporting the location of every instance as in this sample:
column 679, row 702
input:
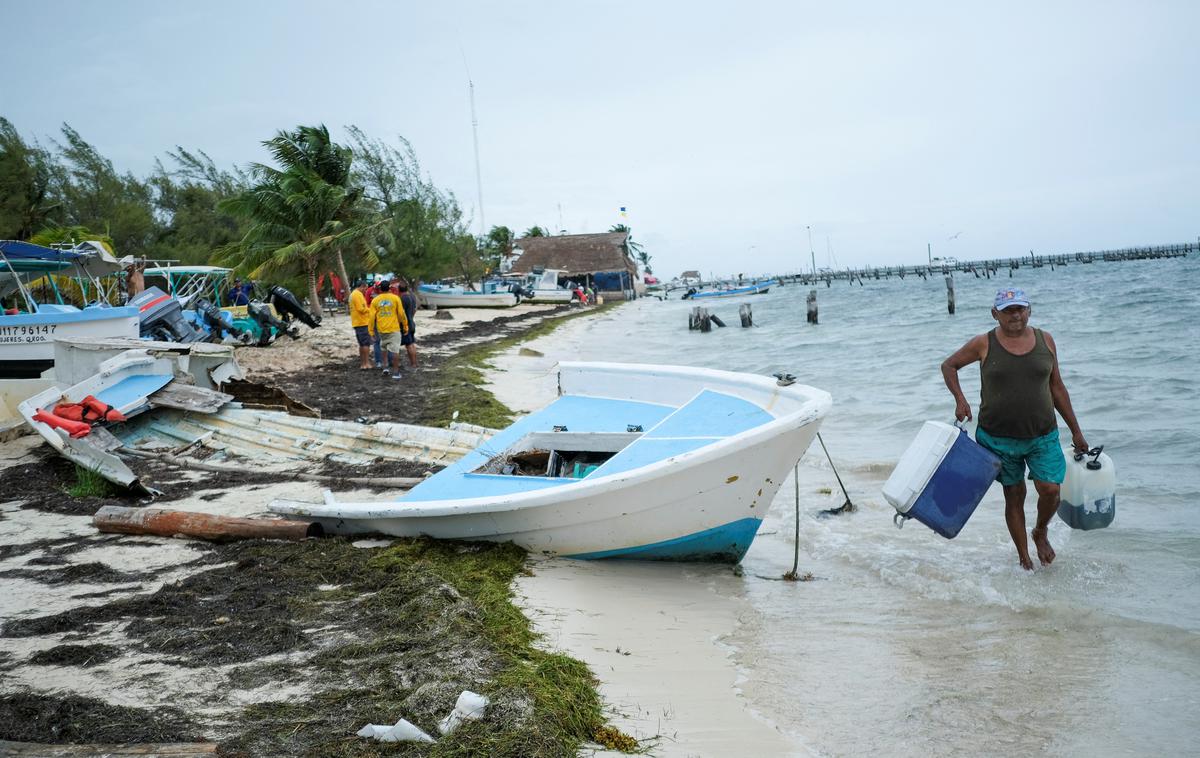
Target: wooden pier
column 989, row 267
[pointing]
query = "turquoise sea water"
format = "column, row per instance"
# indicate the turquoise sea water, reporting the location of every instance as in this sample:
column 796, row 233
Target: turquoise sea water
column 909, row 644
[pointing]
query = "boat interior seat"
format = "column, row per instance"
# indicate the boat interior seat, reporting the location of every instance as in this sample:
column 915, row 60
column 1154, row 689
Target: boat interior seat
column 576, row 413
column 706, row 418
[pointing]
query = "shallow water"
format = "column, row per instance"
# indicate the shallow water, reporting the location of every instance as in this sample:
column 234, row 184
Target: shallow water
column 909, row 644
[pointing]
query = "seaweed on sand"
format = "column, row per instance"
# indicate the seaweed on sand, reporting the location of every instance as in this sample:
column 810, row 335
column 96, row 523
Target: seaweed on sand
column 430, row 619
column 26, row 717
column 75, row 655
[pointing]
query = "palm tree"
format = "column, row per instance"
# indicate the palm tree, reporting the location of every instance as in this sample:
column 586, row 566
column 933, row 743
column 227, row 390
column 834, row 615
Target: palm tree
column 636, row 249
column 312, row 148
column 300, row 215
column 534, row 231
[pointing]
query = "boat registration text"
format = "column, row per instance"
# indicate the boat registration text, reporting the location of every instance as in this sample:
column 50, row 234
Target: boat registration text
column 27, row 333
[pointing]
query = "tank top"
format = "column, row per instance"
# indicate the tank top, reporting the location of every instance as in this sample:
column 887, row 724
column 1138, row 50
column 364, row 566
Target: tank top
column 1014, row 393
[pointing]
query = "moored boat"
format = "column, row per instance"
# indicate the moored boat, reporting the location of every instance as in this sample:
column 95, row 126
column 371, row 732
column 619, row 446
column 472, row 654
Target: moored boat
column 442, row 296
column 758, row 288
column 634, row 461
column 546, row 286
column 29, row 328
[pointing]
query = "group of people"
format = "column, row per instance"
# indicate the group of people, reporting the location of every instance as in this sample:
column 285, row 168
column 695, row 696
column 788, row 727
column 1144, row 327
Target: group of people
column 383, row 318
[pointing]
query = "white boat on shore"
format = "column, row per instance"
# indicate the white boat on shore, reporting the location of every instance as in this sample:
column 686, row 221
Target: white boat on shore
column 28, row 331
column 545, row 286
column 441, row 296
column 633, row 461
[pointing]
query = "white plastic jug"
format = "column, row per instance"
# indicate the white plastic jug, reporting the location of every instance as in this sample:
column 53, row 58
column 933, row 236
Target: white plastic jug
column 1089, row 491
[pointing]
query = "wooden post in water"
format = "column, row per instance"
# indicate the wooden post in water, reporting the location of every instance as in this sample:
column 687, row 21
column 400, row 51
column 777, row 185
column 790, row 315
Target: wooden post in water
column 745, row 315
column 950, row 294
column 811, row 304
column 705, row 320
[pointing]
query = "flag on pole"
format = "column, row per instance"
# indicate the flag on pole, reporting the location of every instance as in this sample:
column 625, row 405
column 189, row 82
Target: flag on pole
column 623, row 213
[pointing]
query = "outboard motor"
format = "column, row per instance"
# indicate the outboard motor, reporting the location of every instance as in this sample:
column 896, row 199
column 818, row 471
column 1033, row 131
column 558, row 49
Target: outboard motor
column 691, row 291
column 217, row 325
column 162, row 317
column 261, row 313
column 289, row 307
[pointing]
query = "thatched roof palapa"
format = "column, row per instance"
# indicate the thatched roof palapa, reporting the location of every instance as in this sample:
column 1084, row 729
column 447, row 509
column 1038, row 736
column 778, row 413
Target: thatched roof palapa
column 577, row 254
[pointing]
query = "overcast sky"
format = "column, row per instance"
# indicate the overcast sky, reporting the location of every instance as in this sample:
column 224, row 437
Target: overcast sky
column 727, row 131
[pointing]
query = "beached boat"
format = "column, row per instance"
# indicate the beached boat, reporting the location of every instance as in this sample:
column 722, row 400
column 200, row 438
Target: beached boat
column 758, row 288
column 28, row 330
column 632, row 461
column 545, row 286
column 491, row 296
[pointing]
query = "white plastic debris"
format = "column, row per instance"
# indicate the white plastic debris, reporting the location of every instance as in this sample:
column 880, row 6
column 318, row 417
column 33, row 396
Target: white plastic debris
column 470, row 706
column 407, row 732
column 401, row 731
column 372, row 731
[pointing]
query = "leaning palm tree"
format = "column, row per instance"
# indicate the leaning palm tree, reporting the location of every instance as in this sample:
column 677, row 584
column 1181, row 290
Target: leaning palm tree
column 311, row 148
column 297, row 223
column 638, row 253
column 304, row 213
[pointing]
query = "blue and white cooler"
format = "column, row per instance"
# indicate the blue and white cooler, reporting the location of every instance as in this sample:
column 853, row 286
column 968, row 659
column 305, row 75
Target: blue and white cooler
column 941, row 478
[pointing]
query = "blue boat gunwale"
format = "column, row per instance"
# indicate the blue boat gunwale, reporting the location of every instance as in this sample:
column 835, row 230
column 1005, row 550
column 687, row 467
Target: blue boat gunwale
column 809, row 412
column 69, row 317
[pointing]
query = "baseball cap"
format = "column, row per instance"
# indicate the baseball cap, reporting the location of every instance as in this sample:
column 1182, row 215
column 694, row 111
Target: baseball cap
column 1010, row 297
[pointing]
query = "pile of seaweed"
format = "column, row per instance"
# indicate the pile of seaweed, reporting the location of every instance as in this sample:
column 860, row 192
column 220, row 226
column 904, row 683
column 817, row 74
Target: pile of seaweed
column 369, row 635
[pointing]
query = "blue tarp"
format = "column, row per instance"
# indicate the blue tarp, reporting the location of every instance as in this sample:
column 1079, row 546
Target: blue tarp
column 18, row 251
column 612, row 281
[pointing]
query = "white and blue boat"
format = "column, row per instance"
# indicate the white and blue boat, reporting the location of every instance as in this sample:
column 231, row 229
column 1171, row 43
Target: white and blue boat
column 758, row 288
column 492, row 295
column 28, row 328
column 630, row 461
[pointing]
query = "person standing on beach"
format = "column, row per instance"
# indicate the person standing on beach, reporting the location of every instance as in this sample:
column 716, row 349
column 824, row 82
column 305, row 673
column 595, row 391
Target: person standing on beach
column 360, row 321
column 409, row 340
column 387, row 314
column 1020, row 389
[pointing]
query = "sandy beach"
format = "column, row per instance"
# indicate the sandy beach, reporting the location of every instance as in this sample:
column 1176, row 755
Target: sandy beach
column 79, row 609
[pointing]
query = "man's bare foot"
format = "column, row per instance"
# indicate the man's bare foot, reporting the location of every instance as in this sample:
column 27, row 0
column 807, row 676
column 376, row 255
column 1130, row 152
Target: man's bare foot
column 1044, row 551
column 1026, row 563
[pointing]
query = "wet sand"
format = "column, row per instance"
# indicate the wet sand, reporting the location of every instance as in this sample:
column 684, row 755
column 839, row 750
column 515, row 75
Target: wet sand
column 652, row 632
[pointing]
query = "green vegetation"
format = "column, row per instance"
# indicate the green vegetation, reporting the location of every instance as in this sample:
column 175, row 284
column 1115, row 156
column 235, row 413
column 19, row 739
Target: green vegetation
column 90, row 484
column 321, row 207
column 639, row 253
column 301, row 215
column 459, row 384
column 426, row 619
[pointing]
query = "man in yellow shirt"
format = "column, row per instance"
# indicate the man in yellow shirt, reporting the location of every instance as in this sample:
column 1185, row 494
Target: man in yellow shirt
column 387, row 314
column 360, row 320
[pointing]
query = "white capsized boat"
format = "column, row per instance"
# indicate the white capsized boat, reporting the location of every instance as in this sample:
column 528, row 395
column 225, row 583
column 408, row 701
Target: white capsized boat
column 440, row 296
column 633, row 461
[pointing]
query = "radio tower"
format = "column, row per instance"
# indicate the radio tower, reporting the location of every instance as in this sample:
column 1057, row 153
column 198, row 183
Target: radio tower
column 475, row 139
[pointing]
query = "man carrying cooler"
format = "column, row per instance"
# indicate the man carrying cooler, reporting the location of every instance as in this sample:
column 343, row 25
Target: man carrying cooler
column 387, row 314
column 1020, row 389
column 360, row 321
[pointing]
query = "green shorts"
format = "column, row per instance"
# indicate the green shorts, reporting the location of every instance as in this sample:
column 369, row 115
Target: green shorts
column 1043, row 455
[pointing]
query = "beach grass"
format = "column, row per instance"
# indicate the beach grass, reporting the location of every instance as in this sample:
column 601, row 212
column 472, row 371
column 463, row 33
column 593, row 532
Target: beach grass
column 88, row 483
column 459, row 385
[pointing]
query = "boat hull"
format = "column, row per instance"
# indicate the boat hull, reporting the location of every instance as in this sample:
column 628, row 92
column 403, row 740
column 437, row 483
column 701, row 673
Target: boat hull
column 755, row 289
column 705, row 504
column 467, row 300
column 27, row 340
column 550, row 296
